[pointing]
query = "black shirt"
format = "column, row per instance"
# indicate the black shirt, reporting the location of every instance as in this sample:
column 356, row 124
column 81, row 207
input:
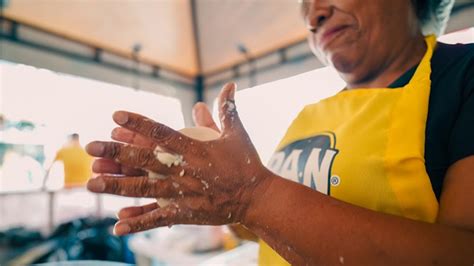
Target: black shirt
column 450, row 124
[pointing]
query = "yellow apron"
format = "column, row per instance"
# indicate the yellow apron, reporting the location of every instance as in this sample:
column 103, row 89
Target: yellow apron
column 365, row 147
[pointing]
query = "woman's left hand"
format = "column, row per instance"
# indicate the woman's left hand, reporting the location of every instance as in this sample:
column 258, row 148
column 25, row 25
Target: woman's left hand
column 207, row 182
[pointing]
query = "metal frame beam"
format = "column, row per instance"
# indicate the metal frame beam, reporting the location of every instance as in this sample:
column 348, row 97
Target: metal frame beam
column 95, row 57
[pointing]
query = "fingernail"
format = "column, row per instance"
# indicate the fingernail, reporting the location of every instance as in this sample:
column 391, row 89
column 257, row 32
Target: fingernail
column 95, row 148
column 96, row 185
column 114, row 132
column 120, row 117
column 121, row 229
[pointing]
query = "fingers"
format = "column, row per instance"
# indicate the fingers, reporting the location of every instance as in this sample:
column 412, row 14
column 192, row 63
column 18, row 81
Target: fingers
column 125, row 135
column 107, row 166
column 135, row 157
column 161, row 134
column 142, row 186
column 129, row 171
column 202, row 116
column 149, row 220
column 130, row 212
column 227, row 109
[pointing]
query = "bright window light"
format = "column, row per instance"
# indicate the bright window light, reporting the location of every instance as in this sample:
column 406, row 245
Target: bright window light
column 462, row 36
column 59, row 104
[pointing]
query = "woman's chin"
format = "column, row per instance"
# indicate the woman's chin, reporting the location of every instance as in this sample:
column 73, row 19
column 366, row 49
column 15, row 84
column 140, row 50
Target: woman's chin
column 343, row 64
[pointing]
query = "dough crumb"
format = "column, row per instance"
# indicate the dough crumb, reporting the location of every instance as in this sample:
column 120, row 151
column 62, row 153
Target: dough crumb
column 156, row 175
column 162, row 202
column 206, row 185
column 230, row 106
column 341, row 259
column 168, row 159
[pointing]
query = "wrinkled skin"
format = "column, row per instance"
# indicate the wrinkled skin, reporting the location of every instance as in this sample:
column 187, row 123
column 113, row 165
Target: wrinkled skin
column 364, row 40
column 216, row 188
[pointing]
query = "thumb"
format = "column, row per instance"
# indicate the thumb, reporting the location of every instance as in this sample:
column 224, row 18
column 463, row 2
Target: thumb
column 227, row 109
column 202, row 116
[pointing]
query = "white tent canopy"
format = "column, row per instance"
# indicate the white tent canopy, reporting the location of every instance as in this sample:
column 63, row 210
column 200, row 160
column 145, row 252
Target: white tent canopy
column 187, row 37
column 192, row 37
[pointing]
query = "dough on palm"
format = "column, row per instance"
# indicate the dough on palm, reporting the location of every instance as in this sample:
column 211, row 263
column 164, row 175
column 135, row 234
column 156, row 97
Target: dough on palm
column 197, row 133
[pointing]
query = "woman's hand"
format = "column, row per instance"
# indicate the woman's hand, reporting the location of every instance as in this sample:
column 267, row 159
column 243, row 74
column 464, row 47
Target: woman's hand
column 202, row 117
column 212, row 182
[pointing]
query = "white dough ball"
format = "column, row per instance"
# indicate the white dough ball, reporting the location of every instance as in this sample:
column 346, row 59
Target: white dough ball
column 200, row 133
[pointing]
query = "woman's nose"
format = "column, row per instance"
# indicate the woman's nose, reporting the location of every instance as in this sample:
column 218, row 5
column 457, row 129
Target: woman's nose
column 317, row 13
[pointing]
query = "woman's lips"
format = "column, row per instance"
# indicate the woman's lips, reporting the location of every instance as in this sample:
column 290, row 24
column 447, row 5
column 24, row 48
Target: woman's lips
column 329, row 35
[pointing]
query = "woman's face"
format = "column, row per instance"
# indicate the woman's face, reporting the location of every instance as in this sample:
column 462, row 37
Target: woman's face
column 357, row 37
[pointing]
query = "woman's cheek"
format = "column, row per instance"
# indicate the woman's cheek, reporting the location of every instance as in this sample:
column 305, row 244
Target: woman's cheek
column 316, row 51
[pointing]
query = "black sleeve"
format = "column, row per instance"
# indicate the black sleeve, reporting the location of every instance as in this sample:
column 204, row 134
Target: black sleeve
column 461, row 143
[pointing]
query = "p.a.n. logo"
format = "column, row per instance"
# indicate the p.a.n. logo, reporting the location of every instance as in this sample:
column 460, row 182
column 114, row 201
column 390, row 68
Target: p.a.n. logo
column 308, row 161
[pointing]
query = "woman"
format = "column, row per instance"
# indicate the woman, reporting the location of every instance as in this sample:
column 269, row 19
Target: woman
column 393, row 151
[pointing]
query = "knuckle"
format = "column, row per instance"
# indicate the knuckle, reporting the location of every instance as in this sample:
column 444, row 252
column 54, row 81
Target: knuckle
column 112, row 185
column 114, row 150
column 142, row 126
column 143, row 158
column 140, row 187
column 133, row 123
column 157, row 132
column 149, row 189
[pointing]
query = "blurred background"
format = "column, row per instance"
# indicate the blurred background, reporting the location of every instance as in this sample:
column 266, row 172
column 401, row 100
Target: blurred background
column 67, row 65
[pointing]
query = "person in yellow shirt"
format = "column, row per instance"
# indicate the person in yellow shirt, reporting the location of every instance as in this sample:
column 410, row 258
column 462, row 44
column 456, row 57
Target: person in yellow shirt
column 381, row 173
column 77, row 163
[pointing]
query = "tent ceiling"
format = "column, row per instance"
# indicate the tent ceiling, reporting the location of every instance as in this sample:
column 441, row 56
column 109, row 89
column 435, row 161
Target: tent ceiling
column 165, row 30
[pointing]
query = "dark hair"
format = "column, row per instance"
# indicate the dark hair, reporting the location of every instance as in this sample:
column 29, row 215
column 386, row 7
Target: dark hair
column 74, row 136
column 422, row 9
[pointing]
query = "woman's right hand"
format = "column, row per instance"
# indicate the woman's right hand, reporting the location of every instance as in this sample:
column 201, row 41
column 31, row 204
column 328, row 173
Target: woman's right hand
column 209, row 182
column 203, row 118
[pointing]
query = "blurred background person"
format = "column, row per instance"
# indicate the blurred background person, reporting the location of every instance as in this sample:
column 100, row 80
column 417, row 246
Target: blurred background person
column 77, row 163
